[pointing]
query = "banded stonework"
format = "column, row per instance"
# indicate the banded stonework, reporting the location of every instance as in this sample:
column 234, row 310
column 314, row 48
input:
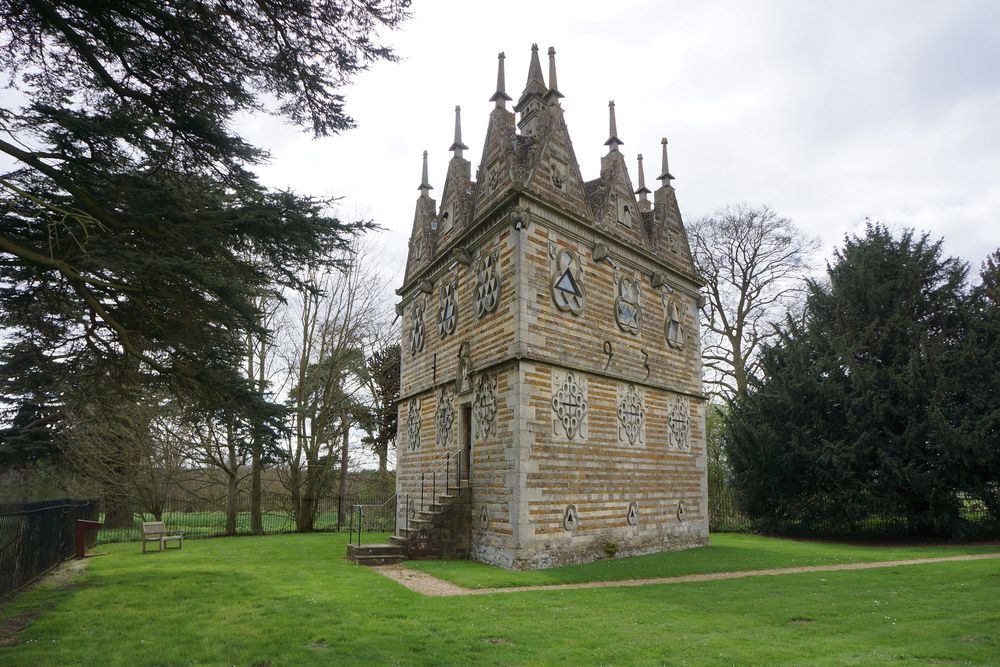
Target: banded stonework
column 566, row 360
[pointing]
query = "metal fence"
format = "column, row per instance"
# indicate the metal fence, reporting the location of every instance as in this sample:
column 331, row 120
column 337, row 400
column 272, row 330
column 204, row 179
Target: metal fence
column 207, row 517
column 35, row 537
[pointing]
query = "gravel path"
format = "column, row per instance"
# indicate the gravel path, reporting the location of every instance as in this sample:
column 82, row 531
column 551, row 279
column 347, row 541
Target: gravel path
column 425, row 584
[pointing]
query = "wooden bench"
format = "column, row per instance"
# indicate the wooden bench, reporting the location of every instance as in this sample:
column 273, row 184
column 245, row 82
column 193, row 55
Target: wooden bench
column 155, row 531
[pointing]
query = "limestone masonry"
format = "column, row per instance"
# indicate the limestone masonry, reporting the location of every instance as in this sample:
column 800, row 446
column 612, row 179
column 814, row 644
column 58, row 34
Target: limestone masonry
column 550, row 342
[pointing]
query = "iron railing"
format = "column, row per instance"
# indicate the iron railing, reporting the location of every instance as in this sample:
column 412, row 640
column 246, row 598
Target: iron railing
column 428, row 480
column 35, row 537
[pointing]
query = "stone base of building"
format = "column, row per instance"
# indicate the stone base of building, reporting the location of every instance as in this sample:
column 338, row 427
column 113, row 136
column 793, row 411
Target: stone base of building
column 584, row 549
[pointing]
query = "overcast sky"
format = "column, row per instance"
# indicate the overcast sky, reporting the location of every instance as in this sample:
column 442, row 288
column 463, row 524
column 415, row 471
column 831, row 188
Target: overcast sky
column 828, row 112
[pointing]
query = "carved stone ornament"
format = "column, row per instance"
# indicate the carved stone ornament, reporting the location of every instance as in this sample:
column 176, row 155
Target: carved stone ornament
column 484, row 519
column 681, row 511
column 417, row 331
column 519, row 218
column 567, row 280
column 674, row 323
column 413, row 424
column 463, row 369
column 632, row 516
column 570, row 519
column 447, row 308
column 487, row 282
column 679, row 425
column 631, row 415
column 569, row 405
column 444, row 418
column 492, row 177
column 485, row 405
column 557, row 175
column 628, row 311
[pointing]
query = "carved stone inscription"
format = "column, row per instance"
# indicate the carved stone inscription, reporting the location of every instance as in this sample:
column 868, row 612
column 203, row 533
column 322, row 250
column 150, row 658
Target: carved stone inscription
column 569, row 404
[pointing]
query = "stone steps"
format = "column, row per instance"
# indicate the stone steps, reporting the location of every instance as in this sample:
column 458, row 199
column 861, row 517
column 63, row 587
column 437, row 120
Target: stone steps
column 376, row 554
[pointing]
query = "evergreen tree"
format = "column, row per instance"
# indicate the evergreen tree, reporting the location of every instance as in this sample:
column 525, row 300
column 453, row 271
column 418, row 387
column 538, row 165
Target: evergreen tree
column 131, row 224
column 849, row 419
column 978, row 404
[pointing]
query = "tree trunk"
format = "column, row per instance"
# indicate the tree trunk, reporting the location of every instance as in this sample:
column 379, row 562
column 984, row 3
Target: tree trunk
column 117, row 513
column 256, row 518
column 307, row 506
column 342, row 493
column 230, row 503
column 383, row 462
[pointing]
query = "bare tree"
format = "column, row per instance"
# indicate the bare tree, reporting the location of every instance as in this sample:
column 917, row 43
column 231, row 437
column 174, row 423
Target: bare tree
column 260, row 367
column 327, row 332
column 755, row 262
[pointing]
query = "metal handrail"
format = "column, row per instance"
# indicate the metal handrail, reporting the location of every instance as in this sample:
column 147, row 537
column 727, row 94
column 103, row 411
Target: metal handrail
column 433, row 469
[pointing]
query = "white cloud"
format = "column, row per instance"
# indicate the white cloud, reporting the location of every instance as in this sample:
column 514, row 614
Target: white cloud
column 829, row 113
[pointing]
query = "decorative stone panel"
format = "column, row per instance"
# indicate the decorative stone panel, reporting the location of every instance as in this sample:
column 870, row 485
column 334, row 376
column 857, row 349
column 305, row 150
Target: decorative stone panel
column 566, row 281
column 447, row 307
column 487, row 282
column 485, row 406
column 628, row 309
column 675, row 325
column 444, row 418
column 569, row 404
column 632, row 515
column 417, row 330
column 631, row 414
column 679, row 424
column 413, row 424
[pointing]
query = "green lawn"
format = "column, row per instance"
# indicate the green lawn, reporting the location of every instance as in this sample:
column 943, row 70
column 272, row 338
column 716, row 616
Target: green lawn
column 728, row 552
column 294, row 600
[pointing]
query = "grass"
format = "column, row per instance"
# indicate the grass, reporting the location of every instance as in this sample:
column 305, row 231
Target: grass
column 728, row 553
column 293, row 600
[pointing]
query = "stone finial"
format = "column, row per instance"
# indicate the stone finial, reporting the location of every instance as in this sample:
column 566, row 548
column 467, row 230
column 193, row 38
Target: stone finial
column 643, row 190
column 553, row 86
column 613, row 141
column 458, row 146
column 535, row 86
column 424, row 185
column 500, row 97
column 665, row 176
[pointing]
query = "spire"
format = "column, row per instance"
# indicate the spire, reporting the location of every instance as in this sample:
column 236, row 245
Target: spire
column 424, row 185
column 643, row 190
column 458, row 146
column 553, row 87
column 613, row 141
column 665, row 176
column 500, row 97
column 535, row 84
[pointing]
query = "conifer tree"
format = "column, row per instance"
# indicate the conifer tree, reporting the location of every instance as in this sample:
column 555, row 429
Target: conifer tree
column 132, row 228
column 848, row 419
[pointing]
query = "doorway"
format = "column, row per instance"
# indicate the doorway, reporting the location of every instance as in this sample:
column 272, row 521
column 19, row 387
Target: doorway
column 466, row 444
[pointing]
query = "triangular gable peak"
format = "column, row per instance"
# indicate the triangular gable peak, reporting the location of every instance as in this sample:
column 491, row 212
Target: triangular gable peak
column 499, row 168
column 666, row 231
column 423, row 237
column 615, row 206
column 554, row 171
column 456, row 196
